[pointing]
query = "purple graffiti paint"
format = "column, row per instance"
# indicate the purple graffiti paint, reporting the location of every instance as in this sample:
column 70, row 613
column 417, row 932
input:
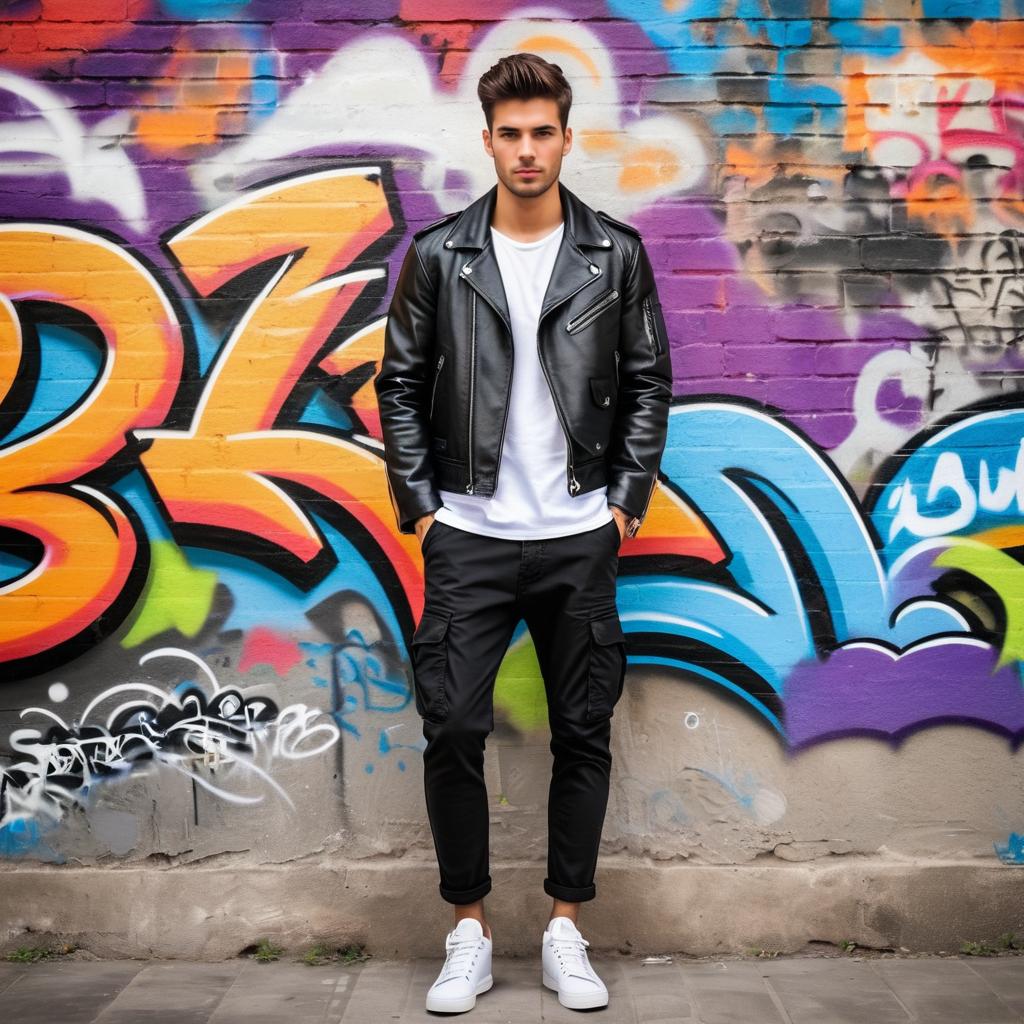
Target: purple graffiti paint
column 863, row 690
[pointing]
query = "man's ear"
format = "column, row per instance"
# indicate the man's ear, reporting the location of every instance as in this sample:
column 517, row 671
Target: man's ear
column 486, row 136
column 568, row 141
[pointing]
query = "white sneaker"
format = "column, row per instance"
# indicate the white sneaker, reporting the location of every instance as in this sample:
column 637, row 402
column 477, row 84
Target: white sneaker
column 567, row 969
column 466, row 972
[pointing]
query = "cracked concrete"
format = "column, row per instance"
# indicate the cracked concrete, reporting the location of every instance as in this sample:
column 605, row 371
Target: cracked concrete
column 209, row 913
column 712, row 826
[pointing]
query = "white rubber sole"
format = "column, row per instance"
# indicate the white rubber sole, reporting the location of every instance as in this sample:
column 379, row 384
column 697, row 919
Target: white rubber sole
column 440, row 1004
column 576, row 1000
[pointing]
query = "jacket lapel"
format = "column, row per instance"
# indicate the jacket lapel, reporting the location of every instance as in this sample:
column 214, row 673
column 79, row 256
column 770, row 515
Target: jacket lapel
column 571, row 272
column 483, row 273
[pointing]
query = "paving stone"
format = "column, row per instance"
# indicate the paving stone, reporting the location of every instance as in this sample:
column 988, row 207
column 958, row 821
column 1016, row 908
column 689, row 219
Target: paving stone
column 622, row 996
column 389, row 991
column 175, row 992
column 286, row 991
column 1005, row 976
column 730, row 992
column 798, row 990
column 9, row 973
column 944, row 991
column 396, row 992
column 515, row 997
column 839, row 991
column 652, row 993
column 72, row 992
column 516, row 991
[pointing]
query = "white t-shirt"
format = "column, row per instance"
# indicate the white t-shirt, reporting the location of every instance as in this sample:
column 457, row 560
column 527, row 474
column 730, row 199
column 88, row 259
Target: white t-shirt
column 532, row 499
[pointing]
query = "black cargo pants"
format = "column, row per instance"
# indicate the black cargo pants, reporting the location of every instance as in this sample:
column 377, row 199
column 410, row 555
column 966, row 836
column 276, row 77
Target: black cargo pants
column 477, row 590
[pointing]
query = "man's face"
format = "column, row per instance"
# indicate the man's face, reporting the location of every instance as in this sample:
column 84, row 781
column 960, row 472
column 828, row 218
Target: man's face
column 527, row 144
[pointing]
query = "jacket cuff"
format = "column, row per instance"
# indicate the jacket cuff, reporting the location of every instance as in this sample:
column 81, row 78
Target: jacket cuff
column 633, row 497
column 412, row 504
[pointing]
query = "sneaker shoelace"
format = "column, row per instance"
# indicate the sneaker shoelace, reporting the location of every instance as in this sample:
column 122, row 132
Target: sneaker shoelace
column 574, row 951
column 459, row 950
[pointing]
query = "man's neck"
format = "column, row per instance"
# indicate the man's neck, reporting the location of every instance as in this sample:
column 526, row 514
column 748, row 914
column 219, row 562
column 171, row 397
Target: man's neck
column 527, row 220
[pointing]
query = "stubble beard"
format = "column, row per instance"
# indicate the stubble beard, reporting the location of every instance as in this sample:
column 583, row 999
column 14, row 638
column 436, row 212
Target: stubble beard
column 529, row 189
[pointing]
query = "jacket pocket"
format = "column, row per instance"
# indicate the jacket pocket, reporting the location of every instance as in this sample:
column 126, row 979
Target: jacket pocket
column 430, row 664
column 590, row 313
column 607, row 669
column 601, row 391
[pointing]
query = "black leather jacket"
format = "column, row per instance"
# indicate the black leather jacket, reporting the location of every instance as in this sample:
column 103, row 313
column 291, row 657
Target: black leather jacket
column 445, row 379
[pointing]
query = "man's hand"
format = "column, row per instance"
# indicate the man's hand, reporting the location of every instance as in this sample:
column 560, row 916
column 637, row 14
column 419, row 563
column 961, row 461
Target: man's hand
column 621, row 519
column 422, row 525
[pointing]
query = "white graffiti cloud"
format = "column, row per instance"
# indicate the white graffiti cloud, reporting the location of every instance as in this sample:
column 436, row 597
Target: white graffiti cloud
column 54, row 141
column 382, row 91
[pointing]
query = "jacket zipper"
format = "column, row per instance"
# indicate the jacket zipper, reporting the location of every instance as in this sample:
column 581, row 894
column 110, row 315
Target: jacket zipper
column 469, row 489
column 587, row 315
column 573, row 483
column 437, row 377
column 573, row 486
column 648, row 323
column 635, row 523
column 650, row 495
column 616, row 354
column 508, row 399
column 472, row 373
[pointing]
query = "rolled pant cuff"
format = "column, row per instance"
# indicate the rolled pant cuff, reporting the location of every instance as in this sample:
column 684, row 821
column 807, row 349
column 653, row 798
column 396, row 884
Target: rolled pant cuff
column 462, row 897
column 569, row 894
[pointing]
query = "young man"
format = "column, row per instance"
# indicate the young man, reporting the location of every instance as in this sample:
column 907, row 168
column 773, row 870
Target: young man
column 524, row 396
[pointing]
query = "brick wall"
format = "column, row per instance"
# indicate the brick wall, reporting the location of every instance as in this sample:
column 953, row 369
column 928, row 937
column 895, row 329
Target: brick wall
column 205, row 605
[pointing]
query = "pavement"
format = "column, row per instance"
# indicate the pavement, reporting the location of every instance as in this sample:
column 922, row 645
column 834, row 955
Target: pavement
column 839, row 989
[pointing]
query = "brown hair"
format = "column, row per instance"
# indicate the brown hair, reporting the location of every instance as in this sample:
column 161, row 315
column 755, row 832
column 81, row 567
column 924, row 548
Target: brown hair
column 524, row 76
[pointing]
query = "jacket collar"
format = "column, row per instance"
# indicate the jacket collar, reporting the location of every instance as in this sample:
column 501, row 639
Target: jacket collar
column 472, row 229
column 572, row 271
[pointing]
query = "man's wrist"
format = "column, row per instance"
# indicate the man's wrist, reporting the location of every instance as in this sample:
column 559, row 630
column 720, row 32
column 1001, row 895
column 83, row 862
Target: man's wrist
column 631, row 523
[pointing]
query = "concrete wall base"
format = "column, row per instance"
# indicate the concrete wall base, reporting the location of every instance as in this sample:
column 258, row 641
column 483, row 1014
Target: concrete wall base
column 211, row 912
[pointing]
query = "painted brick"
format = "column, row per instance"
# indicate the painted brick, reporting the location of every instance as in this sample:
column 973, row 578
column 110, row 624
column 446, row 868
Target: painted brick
column 820, row 220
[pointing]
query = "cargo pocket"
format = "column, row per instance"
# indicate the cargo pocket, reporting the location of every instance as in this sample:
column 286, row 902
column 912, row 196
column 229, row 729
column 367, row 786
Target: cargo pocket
column 430, row 664
column 607, row 666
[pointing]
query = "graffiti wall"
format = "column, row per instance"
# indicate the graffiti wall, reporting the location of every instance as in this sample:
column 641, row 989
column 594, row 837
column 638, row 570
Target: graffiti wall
column 205, row 604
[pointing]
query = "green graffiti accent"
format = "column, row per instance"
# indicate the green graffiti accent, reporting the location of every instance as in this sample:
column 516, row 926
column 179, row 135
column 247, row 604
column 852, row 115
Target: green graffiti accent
column 1005, row 575
column 176, row 596
column 519, row 688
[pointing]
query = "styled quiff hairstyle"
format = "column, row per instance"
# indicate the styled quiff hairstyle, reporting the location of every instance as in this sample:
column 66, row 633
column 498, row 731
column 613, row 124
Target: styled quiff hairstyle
column 524, row 76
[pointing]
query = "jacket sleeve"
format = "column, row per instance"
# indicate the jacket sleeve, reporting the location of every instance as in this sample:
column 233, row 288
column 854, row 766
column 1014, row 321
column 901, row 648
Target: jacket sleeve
column 402, row 389
column 645, row 394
